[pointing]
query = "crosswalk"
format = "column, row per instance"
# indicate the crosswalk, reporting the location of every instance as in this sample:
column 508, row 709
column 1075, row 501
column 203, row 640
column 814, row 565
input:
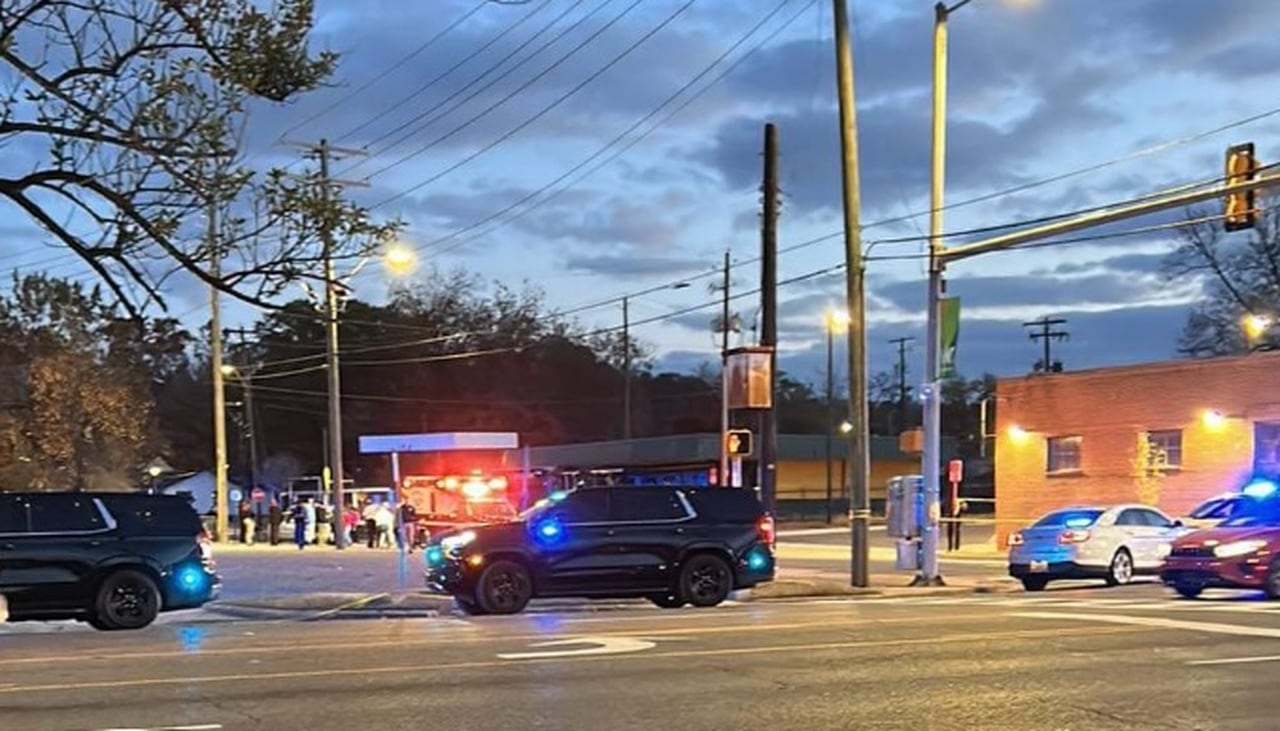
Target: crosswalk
column 1246, row 604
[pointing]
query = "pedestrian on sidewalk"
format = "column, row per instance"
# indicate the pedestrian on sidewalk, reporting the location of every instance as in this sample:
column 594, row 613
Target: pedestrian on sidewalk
column 245, row 513
column 370, row 515
column 300, row 525
column 275, row 516
column 385, row 519
column 309, row 509
column 324, row 529
column 406, row 519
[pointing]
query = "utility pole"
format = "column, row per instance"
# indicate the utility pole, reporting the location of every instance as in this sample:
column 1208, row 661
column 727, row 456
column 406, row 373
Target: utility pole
column 245, row 374
column 1047, row 335
column 220, row 525
column 859, row 467
column 324, row 152
column 769, row 318
column 626, row 368
column 724, row 374
column 902, row 379
column 828, row 433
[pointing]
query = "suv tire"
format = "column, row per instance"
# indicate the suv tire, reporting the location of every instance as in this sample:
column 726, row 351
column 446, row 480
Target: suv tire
column 126, row 599
column 667, row 601
column 705, row 580
column 505, row 587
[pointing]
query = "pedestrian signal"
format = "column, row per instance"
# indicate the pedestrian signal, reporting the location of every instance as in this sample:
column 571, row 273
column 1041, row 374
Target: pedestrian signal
column 738, row 443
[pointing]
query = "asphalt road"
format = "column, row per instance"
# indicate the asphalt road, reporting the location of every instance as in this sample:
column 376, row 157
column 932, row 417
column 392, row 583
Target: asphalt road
column 1129, row 658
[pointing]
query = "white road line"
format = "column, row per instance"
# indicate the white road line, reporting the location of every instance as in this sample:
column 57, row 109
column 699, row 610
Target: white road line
column 1161, row 623
column 1236, row 660
column 202, row 727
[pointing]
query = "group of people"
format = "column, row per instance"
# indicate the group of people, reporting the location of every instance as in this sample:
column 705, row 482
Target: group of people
column 385, row 524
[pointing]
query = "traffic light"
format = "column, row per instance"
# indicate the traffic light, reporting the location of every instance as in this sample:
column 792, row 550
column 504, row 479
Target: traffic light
column 1240, row 211
column 738, row 443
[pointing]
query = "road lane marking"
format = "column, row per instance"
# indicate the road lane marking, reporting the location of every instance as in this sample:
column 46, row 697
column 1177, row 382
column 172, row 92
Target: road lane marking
column 602, row 646
column 201, row 727
column 1236, row 660
column 827, row 620
column 1221, row 628
column 417, row 669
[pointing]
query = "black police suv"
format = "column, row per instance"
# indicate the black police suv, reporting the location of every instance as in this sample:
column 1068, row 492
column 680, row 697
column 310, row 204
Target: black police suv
column 672, row 545
column 115, row 560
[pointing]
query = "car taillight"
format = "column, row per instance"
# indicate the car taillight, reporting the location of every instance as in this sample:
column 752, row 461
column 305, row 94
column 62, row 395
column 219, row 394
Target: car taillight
column 1073, row 536
column 768, row 533
column 1015, row 539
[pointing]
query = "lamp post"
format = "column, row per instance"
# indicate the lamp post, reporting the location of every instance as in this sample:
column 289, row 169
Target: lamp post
column 835, row 319
column 1256, row 327
column 626, row 354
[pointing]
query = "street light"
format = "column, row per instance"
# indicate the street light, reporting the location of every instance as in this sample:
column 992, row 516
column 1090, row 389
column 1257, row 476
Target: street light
column 833, row 321
column 398, row 258
column 1256, row 327
column 626, row 352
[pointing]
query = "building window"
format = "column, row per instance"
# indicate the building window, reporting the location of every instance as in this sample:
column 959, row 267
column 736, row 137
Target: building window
column 1064, row 454
column 1166, row 446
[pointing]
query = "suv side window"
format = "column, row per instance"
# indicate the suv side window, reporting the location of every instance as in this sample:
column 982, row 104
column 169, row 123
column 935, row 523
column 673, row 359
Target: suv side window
column 590, row 505
column 65, row 513
column 13, row 515
column 639, row 504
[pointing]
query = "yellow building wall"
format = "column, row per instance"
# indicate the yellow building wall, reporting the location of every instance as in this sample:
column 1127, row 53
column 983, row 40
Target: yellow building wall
column 808, row 480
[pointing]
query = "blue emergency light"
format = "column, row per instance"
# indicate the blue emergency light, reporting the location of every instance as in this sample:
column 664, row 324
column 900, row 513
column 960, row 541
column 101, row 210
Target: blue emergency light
column 1259, row 487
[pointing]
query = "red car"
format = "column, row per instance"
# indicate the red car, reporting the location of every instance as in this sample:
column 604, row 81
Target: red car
column 1242, row 552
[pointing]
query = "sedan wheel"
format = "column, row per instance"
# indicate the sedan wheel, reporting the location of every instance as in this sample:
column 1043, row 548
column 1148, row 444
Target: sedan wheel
column 1121, row 570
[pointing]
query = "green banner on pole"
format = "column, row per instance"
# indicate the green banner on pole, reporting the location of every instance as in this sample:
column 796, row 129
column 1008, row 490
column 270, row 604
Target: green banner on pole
column 950, row 336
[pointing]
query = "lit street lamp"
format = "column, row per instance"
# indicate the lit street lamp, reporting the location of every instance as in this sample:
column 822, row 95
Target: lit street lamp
column 1256, row 327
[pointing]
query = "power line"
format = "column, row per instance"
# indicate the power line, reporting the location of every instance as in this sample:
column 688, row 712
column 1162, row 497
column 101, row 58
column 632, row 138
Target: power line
column 417, row 93
column 444, row 108
column 621, row 136
column 541, row 113
column 389, row 70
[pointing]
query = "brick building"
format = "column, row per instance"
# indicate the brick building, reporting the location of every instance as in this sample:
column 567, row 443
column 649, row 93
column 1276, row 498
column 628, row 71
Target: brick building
column 1072, row 438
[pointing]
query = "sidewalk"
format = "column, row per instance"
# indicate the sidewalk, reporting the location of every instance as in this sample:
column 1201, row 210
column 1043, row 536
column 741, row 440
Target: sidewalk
column 977, row 553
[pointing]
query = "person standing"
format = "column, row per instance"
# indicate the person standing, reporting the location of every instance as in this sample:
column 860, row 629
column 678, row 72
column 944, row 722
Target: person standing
column 275, row 516
column 385, row 519
column 370, row 515
column 406, row 517
column 245, row 513
column 309, row 508
column 324, row 529
column 300, row 525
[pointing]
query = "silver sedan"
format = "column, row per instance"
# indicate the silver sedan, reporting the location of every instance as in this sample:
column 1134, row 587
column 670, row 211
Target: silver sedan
column 1092, row 542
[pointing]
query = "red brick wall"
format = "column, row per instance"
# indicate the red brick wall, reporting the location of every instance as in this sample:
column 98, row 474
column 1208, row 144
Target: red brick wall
column 1108, row 408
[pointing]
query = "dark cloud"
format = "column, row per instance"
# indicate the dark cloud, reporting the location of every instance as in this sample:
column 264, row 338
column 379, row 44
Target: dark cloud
column 1029, row 291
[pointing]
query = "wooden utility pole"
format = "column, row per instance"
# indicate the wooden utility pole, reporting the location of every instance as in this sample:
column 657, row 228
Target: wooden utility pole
column 859, row 467
column 769, row 318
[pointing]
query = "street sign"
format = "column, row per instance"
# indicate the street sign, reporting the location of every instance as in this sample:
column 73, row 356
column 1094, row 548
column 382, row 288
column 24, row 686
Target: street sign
column 955, row 470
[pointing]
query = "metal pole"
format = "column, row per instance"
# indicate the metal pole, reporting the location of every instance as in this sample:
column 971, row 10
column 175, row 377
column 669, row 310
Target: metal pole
column 331, row 347
column 246, row 379
column 931, row 457
column 397, row 495
column 859, row 468
column 831, row 411
column 220, row 527
column 626, row 368
column 724, row 376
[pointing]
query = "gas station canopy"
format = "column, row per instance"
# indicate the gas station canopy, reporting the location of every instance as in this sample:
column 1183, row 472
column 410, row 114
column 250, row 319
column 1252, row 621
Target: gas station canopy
column 438, row 442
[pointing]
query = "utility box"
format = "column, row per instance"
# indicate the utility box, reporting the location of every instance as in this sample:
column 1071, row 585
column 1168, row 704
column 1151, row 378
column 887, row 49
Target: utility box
column 904, row 508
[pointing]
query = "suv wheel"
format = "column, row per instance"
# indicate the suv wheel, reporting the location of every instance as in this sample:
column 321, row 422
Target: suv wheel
column 1034, row 583
column 504, row 588
column 667, row 601
column 1121, row 569
column 706, row 580
column 1188, row 591
column 126, row 600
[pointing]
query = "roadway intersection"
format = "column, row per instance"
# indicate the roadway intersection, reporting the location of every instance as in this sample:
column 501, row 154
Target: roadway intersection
column 1072, row 658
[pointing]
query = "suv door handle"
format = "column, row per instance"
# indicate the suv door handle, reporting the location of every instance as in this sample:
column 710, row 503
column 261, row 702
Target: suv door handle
column 609, row 532
column 680, row 530
column 8, row 547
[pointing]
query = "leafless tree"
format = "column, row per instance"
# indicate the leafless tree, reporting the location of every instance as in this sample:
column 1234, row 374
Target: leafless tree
column 121, row 125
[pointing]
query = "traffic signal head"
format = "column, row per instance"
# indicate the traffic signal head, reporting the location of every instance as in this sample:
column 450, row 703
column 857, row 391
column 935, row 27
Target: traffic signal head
column 1240, row 211
column 738, row 443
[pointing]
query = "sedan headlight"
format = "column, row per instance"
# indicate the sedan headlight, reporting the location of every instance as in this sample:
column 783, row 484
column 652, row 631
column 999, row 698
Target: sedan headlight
column 1238, row 548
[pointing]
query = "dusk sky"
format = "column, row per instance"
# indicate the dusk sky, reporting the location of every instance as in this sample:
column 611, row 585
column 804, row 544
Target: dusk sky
column 1037, row 90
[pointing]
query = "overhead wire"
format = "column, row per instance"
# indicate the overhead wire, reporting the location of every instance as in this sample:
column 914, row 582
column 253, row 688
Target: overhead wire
column 419, row 50
column 445, row 106
column 627, row 51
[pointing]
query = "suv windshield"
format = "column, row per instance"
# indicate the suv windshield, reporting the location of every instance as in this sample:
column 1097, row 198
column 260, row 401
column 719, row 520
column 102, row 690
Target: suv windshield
column 1254, row 513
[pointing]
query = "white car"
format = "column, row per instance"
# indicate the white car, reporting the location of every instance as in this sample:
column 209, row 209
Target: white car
column 1111, row 543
